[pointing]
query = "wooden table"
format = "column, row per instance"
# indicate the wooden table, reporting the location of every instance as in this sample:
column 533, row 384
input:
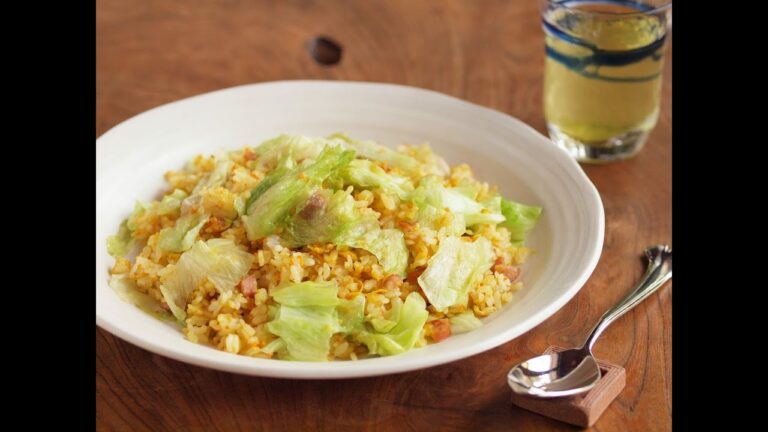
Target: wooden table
column 150, row 52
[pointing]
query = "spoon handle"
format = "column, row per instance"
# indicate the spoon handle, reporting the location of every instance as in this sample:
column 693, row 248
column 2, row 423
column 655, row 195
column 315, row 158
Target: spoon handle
column 658, row 272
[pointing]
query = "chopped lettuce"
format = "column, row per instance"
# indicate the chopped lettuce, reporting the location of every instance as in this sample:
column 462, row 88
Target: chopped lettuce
column 464, row 322
column 296, row 147
column 333, row 217
column 171, row 202
column 222, row 261
column 431, row 214
column 283, row 167
column 454, row 270
column 403, row 335
column 309, row 314
column 329, row 217
column 123, row 242
column 126, row 289
column 351, row 314
column 306, row 319
column 120, row 244
column 274, row 346
column 273, row 208
column 468, row 188
column 520, row 219
column 387, row 323
column 240, row 205
column 306, row 294
column 230, row 266
column 388, row 245
column 432, row 198
column 370, row 150
column 429, row 192
column 183, row 234
column 474, row 212
column 365, row 174
column 306, row 331
column 139, row 209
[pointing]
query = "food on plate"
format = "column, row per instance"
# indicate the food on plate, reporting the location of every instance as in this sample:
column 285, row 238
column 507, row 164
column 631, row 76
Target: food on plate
column 319, row 249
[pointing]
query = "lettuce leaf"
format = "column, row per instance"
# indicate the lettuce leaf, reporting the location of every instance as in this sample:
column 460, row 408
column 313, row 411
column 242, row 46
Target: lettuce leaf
column 272, row 210
column 125, row 288
column 306, row 331
column 333, row 217
column 306, row 294
column 388, row 245
column 387, row 323
column 329, row 217
column 403, row 335
column 454, row 270
column 121, row 244
column 351, row 314
column 284, row 167
column 222, row 261
column 306, row 319
column 433, row 199
column 464, row 322
column 295, row 147
column 520, row 219
column 171, row 202
column 183, row 234
column 364, row 174
column 274, row 346
column 230, row 266
column 370, row 150
column 139, row 210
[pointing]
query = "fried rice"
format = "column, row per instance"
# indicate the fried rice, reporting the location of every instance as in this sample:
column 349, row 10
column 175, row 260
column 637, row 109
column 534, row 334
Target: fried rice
column 236, row 320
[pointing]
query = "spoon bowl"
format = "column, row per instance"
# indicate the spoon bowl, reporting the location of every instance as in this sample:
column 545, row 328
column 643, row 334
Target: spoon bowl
column 558, row 374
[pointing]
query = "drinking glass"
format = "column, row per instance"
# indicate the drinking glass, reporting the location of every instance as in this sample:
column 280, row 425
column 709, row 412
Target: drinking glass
column 602, row 80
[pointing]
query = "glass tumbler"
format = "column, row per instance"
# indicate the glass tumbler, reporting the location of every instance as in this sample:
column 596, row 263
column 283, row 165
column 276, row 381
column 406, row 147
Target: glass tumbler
column 602, row 79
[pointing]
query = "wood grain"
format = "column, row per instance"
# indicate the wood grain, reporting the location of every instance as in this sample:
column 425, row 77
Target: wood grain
column 151, row 52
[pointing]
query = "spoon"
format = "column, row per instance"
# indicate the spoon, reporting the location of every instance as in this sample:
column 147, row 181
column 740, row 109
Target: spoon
column 576, row 371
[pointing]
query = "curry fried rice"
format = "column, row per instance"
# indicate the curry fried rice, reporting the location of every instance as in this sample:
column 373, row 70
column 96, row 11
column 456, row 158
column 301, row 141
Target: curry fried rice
column 322, row 249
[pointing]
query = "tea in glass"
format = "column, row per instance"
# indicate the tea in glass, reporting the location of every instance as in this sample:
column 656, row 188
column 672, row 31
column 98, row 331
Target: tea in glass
column 602, row 83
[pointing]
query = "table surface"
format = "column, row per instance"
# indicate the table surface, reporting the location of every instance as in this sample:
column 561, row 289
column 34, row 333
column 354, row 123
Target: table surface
column 150, row 52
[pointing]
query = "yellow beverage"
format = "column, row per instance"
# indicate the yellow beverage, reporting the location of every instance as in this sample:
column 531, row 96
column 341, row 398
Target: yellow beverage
column 602, row 80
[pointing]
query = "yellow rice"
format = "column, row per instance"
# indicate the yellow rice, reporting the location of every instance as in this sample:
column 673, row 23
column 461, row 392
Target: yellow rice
column 235, row 323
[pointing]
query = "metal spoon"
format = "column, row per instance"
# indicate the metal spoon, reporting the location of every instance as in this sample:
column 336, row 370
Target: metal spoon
column 576, row 371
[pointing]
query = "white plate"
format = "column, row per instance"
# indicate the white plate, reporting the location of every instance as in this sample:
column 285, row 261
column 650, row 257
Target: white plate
column 132, row 157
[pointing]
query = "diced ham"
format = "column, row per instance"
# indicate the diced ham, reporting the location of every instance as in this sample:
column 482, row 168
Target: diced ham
column 314, row 206
column 249, row 285
column 414, row 275
column 215, row 225
column 405, row 226
column 509, row 271
column 441, row 329
column 249, row 155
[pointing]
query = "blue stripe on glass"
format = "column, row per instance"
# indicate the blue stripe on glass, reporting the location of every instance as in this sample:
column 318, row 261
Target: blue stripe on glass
column 601, row 57
column 639, row 6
